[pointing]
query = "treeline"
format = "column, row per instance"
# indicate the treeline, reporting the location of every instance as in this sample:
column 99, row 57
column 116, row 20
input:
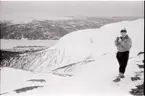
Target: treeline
column 51, row 29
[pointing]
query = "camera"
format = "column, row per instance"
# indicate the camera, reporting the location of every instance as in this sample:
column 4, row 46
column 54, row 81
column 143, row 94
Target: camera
column 117, row 39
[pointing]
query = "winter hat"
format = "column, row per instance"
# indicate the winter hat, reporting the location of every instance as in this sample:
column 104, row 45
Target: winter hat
column 123, row 30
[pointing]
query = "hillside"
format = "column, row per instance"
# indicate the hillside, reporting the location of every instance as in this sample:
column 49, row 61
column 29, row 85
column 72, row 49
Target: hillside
column 53, row 29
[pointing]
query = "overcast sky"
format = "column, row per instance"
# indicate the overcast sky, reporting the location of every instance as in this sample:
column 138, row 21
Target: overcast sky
column 22, row 10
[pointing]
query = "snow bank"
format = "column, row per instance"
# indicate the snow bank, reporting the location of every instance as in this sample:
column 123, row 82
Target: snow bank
column 78, row 46
column 92, row 79
column 13, row 78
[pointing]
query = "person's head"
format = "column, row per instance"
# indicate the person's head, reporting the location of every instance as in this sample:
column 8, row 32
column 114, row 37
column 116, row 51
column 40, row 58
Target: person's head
column 123, row 32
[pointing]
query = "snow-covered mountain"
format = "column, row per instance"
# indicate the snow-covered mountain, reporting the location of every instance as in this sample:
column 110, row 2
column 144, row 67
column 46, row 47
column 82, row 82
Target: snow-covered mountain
column 86, row 55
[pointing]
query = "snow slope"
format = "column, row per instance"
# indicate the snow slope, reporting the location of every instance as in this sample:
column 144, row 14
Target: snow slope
column 77, row 48
column 92, row 79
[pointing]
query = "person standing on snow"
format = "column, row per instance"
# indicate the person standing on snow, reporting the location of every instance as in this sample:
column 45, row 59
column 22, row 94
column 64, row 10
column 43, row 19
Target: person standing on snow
column 123, row 44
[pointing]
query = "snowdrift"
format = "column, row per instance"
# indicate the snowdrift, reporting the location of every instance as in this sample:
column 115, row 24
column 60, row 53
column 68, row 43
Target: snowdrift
column 92, row 79
column 79, row 47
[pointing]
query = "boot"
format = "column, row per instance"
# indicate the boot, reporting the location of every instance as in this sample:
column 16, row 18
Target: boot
column 121, row 75
column 117, row 79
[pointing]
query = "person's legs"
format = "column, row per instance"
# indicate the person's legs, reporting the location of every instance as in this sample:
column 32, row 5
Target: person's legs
column 122, row 58
column 119, row 57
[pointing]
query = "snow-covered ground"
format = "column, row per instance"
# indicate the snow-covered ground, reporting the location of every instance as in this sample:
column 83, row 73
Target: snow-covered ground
column 91, row 79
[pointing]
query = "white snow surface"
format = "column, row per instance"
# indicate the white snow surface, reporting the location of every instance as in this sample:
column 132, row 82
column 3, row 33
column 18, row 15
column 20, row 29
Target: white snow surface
column 91, row 79
column 81, row 44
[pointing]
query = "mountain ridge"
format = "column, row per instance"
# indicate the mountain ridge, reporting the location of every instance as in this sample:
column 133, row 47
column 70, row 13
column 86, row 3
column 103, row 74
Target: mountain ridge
column 53, row 29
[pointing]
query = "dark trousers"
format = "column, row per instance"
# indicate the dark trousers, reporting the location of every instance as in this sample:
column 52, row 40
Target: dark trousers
column 122, row 58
